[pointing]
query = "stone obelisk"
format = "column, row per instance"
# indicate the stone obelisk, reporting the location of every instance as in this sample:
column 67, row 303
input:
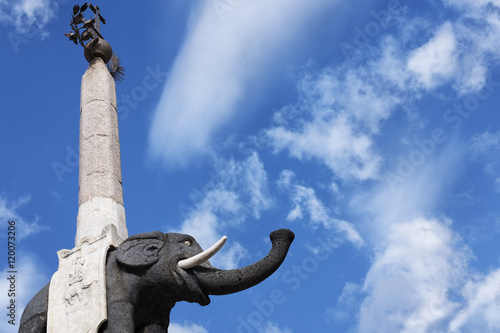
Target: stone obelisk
column 100, row 182
column 77, row 294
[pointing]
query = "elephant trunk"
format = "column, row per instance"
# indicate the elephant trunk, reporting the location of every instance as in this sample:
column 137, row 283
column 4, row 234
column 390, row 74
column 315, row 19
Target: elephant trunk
column 214, row 281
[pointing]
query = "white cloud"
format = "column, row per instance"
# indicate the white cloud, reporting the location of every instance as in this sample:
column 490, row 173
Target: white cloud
column 222, row 54
column 29, row 17
column 435, row 61
column 285, row 179
column 186, row 328
column 469, row 42
column 347, row 302
column 237, row 190
column 335, row 122
column 304, row 199
column 334, row 143
column 415, row 194
column 347, row 106
column 391, row 65
column 267, row 327
column 419, row 262
column 8, row 212
column 480, row 313
column 470, row 4
column 485, row 148
column 408, row 283
column 206, row 219
column 274, row 328
column 484, row 143
column 340, row 112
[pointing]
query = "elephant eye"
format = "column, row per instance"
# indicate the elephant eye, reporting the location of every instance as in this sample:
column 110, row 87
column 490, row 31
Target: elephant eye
column 187, row 242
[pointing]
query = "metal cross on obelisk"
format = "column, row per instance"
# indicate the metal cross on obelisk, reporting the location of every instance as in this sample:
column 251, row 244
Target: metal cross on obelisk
column 77, row 295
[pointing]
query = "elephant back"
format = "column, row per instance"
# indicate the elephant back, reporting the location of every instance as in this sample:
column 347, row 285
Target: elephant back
column 34, row 318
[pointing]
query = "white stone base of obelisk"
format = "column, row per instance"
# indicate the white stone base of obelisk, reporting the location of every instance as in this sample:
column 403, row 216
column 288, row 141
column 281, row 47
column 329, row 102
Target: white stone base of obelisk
column 100, row 211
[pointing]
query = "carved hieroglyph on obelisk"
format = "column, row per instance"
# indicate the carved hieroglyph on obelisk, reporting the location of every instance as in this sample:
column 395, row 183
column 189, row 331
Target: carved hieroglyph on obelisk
column 77, row 295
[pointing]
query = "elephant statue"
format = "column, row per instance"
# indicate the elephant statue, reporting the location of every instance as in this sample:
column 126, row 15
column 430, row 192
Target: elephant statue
column 148, row 273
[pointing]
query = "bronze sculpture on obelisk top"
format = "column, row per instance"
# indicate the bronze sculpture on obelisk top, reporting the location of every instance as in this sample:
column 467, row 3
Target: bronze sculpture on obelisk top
column 109, row 283
column 100, row 183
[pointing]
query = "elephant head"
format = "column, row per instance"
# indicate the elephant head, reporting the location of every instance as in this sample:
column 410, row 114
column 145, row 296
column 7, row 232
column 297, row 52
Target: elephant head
column 148, row 273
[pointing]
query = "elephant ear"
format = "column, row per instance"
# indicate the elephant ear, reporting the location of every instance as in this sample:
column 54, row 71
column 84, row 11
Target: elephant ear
column 139, row 252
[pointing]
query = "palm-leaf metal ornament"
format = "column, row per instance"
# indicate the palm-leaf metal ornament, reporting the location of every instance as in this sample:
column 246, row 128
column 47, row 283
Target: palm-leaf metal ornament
column 87, row 33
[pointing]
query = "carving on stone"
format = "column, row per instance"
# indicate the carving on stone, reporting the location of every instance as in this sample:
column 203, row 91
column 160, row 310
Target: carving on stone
column 77, row 284
column 77, row 291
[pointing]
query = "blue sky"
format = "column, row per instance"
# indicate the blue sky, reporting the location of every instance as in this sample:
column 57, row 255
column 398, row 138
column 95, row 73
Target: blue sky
column 369, row 128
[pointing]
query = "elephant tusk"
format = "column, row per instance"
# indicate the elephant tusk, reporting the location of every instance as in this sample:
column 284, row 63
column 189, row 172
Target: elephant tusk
column 203, row 256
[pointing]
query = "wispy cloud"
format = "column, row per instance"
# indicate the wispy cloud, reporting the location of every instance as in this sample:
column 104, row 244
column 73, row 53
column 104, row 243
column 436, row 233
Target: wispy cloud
column 410, row 278
column 186, row 328
column 264, row 326
column 218, row 61
column 420, row 279
column 271, row 327
column 305, row 201
column 437, row 59
column 482, row 301
column 334, row 121
column 477, row 33
column 347, row 303
column 485, row 148
column 9, row 211
column 238, row 190
column 28, row 16
column 341, row 111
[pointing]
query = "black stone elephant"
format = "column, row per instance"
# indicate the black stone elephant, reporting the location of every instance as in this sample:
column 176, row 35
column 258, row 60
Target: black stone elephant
column 148, row 273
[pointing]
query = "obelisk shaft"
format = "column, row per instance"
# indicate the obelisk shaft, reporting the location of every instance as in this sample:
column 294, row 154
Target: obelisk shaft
column 100, row 182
